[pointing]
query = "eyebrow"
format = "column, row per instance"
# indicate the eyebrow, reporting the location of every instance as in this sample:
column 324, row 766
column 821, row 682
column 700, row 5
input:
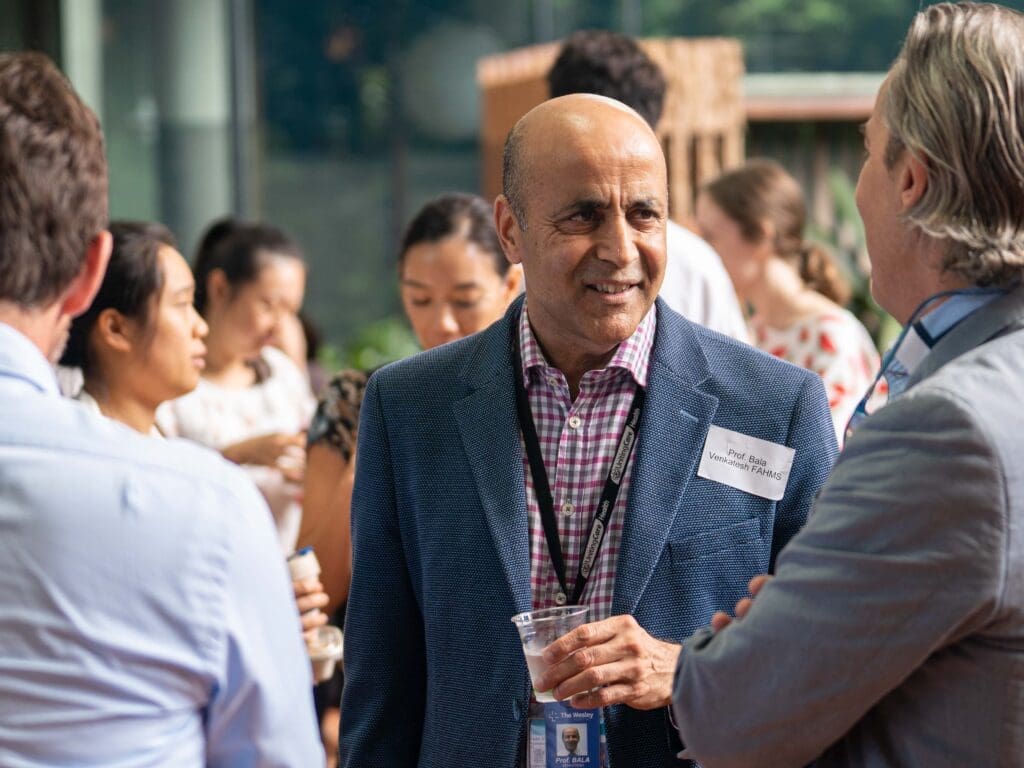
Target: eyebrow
column 183, row 288
column 457, row 287
column 646, row 202
column 593, row 203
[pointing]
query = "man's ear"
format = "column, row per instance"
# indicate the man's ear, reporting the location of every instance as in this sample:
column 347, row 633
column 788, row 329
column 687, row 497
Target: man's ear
column 114, row 330
column 83, row 288
column 912, row 179
column 514, row 280
column 509, row 232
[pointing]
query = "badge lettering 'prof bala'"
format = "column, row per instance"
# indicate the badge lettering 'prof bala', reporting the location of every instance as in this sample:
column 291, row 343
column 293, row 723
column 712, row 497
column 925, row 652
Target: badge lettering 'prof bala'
column 740, row 461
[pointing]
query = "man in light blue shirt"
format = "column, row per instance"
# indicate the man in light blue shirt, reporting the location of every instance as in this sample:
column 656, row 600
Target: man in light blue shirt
column 145, row 613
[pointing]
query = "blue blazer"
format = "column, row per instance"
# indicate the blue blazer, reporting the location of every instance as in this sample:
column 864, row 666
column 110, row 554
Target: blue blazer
column 434, row 672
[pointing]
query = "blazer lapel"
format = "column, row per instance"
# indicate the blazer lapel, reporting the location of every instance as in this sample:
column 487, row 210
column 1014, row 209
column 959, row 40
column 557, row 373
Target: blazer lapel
column 675, row 425
column 489, row 429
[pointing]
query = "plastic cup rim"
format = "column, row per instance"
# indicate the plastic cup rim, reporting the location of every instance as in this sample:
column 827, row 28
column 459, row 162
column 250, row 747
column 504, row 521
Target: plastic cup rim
column 527, row 618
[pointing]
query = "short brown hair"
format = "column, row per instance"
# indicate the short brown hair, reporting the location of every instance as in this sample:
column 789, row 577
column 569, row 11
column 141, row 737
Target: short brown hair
column 53, row 180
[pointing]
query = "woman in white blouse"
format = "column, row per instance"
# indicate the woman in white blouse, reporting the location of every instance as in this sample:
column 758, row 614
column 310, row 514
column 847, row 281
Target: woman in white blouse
column 252, row 402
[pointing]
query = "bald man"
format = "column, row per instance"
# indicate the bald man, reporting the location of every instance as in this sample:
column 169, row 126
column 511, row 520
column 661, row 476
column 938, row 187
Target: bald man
column 593, row 419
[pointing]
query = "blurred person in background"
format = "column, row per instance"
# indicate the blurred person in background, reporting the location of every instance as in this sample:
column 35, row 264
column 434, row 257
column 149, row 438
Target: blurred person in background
column 142, row 619
column 755, row 217
column 453, row 276
column 140, row 343
column 252, row 403
column 614, row 65
column 299, row 338
column 455, row 281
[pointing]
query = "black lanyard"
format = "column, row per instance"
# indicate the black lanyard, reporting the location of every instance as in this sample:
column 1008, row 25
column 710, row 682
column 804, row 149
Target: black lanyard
column 612, row 485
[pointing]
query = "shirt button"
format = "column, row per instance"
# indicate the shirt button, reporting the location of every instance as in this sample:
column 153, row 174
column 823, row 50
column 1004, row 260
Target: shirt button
column 574, row 422
column 568, row 508
column 560, row 598
column 552, row 381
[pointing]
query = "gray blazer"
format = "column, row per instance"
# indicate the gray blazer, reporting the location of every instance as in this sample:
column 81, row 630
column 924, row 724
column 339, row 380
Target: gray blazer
column 893, row 632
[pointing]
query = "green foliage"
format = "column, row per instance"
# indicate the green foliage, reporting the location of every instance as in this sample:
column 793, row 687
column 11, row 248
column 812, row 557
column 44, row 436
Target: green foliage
column 375, row 345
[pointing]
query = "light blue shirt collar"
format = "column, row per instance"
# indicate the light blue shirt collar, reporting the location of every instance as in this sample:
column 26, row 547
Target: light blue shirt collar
column 21, row 359
column 926, row 333
column 951, row 313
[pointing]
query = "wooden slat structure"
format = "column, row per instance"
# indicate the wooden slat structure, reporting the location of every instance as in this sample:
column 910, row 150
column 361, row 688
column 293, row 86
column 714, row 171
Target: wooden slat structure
column 701, row 129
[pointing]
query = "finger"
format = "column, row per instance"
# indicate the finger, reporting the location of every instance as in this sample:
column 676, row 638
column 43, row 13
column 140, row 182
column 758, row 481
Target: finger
column 589, row 634
column 629, row 672
column 311, row 602
column 743, row 606
column 311, row 621
column 720, row 620
column 581, row 660
column 607, row 696
column 757, row 583
column 292, row 474
column 307, row 587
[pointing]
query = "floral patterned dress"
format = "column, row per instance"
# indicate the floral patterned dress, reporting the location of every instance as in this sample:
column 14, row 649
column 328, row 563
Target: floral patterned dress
column 835, row 346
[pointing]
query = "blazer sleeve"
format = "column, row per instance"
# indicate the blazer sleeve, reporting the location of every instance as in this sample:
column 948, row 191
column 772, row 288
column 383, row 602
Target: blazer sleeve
column 385, row 680
column 812, row 436
column 903, row 556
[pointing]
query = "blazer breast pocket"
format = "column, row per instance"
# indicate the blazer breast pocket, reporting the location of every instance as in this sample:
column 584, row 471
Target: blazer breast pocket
column 718, row 540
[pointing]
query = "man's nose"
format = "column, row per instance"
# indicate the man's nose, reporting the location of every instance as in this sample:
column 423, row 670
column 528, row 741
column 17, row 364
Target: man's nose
column 617, row 244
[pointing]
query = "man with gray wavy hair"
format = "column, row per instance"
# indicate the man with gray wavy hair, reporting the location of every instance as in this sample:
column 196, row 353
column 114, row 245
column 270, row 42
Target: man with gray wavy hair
column 893, row 631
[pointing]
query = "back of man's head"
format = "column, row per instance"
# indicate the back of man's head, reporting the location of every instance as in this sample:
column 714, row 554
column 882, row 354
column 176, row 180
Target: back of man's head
column 53, row 180
column 955, row 100
column 609, row 64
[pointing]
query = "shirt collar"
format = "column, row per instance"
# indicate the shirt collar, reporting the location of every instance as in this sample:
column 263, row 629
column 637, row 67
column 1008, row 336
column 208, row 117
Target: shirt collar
column 927, row 331
column 21, row 359
column 632, row 355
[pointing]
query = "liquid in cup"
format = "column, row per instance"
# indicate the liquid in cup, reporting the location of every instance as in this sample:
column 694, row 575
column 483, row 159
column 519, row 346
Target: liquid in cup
column 538, row 629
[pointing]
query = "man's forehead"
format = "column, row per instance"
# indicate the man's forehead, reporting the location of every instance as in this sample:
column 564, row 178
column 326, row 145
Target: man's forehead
column 589, row 176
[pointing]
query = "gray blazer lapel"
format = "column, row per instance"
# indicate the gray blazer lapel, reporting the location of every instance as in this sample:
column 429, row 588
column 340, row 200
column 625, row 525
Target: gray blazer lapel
column 989, row 321
column 675, row 424
column 490, row 434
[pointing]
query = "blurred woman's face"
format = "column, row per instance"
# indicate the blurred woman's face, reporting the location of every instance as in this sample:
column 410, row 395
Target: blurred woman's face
column 170, row 340
column 248, row 317
column 451, row 289
column 723, row 233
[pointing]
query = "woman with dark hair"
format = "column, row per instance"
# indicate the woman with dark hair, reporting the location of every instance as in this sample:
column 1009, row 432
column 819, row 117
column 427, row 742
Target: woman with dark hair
column 140, row 343
column 252, row 403
column 454, row 281
column 453, row 275
column 754, row 217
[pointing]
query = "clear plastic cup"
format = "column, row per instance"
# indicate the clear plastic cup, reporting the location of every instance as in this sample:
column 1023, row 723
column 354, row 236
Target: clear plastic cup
column 538, row 629
column 325, row 651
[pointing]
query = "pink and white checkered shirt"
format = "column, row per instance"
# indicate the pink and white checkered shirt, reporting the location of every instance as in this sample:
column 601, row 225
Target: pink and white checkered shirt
column 578, row 440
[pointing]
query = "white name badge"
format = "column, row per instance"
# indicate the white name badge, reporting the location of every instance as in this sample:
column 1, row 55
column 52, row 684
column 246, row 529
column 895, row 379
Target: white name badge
column 748, row 463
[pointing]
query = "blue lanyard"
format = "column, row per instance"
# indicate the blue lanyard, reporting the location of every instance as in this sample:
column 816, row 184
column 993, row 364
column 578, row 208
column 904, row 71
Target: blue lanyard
column 860, row 412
